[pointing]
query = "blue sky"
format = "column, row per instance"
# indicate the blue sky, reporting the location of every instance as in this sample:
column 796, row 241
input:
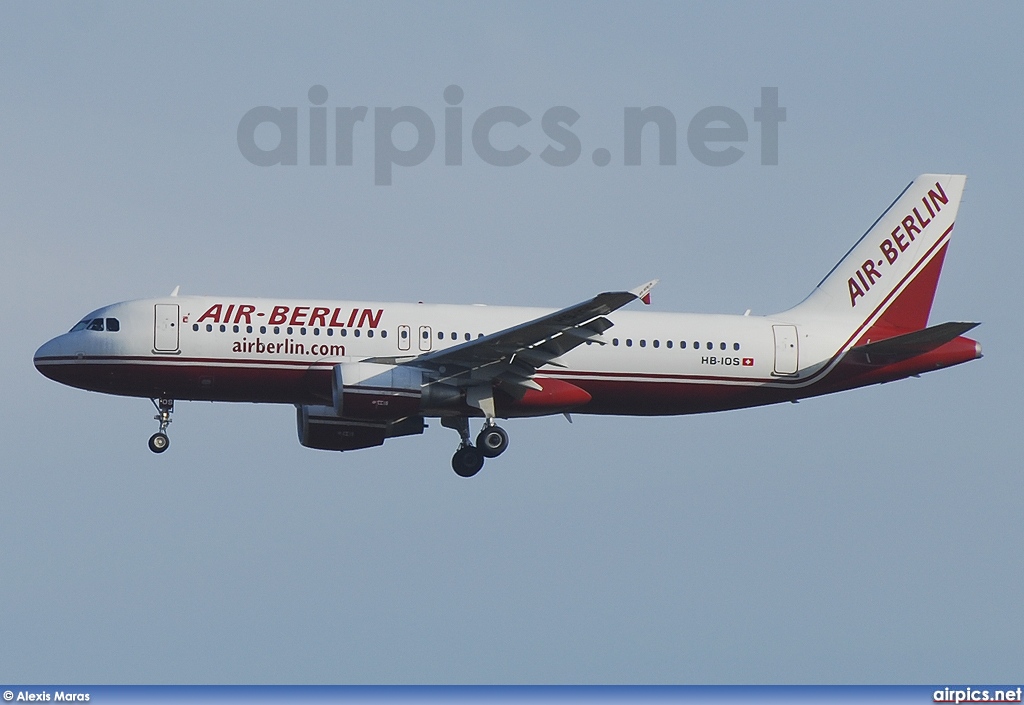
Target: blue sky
column 867, row 537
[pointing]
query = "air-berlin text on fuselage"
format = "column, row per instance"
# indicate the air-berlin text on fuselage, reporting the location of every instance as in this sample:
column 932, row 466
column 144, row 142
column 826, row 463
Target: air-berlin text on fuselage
column 911, row 225
column 313, row 316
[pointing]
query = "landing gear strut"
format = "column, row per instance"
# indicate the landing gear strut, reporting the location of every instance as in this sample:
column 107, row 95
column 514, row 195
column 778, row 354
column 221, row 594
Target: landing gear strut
column 491, row 442
column 159, row 441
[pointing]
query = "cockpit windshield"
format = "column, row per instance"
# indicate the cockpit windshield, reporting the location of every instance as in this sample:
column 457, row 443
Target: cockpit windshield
column 112, row 324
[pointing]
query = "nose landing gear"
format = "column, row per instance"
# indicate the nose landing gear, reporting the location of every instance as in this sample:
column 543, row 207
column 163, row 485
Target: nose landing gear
column 159, row 441
column 491, row 442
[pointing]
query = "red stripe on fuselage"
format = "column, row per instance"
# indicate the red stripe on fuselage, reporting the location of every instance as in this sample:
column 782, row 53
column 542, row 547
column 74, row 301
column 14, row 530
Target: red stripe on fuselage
column 611, row 393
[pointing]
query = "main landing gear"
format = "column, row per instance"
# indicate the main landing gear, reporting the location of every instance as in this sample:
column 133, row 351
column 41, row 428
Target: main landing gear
column 491, row 442
column 159, row 441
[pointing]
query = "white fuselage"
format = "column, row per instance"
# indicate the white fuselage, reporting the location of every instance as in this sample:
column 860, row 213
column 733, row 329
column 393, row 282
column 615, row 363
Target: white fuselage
column 268, row 350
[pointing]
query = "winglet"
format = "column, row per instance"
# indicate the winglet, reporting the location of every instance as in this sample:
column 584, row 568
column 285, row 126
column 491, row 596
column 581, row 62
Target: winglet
column 643, row 292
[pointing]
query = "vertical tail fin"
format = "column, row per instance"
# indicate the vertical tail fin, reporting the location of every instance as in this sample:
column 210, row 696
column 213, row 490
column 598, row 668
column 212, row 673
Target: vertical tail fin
column 885, row 284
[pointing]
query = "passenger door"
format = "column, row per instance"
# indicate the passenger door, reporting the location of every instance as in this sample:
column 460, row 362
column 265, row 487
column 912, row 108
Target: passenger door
column 165, row 328
column 786, row 350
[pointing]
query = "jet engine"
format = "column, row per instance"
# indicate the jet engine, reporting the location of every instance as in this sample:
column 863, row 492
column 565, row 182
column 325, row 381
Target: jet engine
column 320, row 427
column 370, row 391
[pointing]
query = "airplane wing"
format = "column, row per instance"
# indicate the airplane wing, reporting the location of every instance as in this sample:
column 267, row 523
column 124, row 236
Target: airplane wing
column 511, row 356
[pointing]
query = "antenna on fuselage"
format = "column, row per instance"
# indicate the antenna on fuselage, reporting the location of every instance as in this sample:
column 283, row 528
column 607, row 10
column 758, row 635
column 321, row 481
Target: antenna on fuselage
column 175, row 292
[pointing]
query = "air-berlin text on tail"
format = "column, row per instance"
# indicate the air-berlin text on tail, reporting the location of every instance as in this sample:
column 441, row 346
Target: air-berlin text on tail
column 323, row 316
column 911, row 225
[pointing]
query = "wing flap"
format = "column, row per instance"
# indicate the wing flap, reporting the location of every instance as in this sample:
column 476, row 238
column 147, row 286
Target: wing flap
column 538, row 356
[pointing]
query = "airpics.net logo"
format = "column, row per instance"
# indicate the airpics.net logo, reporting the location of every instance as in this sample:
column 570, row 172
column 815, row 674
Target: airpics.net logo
column 716, row 136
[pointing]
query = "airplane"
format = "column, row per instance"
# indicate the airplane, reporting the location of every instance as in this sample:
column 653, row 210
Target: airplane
column 359, row 373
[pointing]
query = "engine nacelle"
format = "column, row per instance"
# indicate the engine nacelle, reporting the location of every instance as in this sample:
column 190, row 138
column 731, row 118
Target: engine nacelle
column 370, row 391
column 320, row 427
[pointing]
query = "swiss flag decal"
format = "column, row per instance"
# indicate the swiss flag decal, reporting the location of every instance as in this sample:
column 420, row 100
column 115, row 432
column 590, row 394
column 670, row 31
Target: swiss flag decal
column 748, row 362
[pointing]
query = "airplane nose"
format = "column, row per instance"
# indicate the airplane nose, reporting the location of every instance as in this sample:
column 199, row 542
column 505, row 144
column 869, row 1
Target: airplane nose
column 44, row 358
column 42, row 352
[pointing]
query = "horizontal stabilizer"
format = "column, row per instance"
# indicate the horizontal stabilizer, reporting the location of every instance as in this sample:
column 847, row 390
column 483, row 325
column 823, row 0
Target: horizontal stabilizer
column 904, row 347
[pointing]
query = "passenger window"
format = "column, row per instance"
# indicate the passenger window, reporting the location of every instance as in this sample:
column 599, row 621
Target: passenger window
column 735, row 346
column 722, row 346
column 344, row 332
column 615, row 342
column 404, row 333
column 95, row 324
column 223, row 328
column 195, row 326
column 668, row 344
column 682, row 345
column 330, row 332
column 289, row 330
column 277, row 330
column 656, row 343
column 467, row 336
column 369, row 333
column 643, row 343
column 235, row 329
column 316, row 331
column 383, row 334
column 209, row 328
column 302, row 331
column 113, row 325
column 248, row 329
column 629, row 342
column 263, row 330
column 696, row 345
column 711, row 346
column 356, row 332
